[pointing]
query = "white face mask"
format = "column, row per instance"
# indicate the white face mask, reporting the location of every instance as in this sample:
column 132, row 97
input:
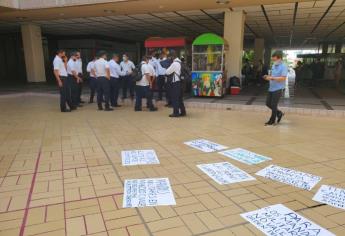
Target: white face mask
column 124, row 58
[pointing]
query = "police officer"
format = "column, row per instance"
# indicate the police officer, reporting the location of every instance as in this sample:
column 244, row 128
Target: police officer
column 174, row 72
column 115, row 82
column 127, row 81
column 72, row 71
column 92, row 79
column 103, row 77
column 60, row 74
column 143, row 86
column 80, row 75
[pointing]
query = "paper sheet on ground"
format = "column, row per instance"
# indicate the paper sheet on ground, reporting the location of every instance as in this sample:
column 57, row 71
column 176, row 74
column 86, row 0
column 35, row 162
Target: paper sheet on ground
column 205, row 145
column 245, row 156
column 147, row 193
column 279, row 220
column 331, row 195
column 289, row 176
column 139, row 157
column 225, row 173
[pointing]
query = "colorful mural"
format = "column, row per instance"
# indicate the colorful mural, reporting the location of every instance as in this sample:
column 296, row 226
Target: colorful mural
column 207, row 84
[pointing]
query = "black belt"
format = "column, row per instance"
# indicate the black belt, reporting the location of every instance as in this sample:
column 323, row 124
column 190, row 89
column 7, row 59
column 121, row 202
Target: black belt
column 63, row 77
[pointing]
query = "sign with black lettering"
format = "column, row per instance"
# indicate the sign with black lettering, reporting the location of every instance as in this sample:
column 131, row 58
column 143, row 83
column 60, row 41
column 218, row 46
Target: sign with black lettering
column 289, row 176
column 147, row 193
column 139, row 157
column 245, row 156
column 225, row 173
column 278, row 220
column 331, row 195
column 205, row 145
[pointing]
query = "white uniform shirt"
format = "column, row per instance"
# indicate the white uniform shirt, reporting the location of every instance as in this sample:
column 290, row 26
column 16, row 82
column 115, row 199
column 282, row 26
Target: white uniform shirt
column 79, row 63
column 59, row 65
column 91, row 69
column 154, row 63
column 127, row 67
column 115, row 69
column 72, row 66
column 101, row 67
column 175, row 68
column 152, row 69
column 146, row 71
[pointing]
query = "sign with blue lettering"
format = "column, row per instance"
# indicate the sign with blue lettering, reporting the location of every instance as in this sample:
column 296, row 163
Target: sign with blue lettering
column 245, row 156
column 289, row 176
column 205, row 145
column 279, row 220
column 139, row 157
column 147, row 193
column 331, row 195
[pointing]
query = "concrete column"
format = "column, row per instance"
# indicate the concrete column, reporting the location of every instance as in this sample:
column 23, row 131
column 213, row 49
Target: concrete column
column 267, row 56
column 259, row 50
column 33, row 53
column 234, row 35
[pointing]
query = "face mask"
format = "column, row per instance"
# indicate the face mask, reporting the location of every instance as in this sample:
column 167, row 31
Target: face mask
column 125, row 58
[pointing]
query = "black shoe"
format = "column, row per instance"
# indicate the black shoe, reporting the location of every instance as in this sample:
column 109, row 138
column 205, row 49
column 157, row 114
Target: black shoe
column 100, row 108
column 90, row 102
column 269, row 123
column 137, row 109
column 280, row 116
column 153, row 109
column 79, row 105
column 167, row 105
column 108, row 109
column 66, row 110
column 174, row 115
column 117, row 105
column 183, row 114
column 81, row 101
column 73, row 108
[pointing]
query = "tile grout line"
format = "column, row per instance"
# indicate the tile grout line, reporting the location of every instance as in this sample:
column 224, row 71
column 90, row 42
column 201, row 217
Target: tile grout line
column 117, row 174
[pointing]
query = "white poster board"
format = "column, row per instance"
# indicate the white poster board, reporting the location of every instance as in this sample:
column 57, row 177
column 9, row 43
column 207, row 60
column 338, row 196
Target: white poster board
column 245, row 156
column 331, row 195
column 225, row 173
column 279, row 220
column 205, row 145
column 147, row 193
column 139, row 157
column 289, row 176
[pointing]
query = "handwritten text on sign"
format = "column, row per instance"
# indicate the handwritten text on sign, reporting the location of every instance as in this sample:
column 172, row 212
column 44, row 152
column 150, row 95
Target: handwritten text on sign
column 205, row 145
column 139, row 157
column 225, row 173
column 288, row 176
column 331, row 195
column 277, row 220
column 148, row 192
column 245, row 156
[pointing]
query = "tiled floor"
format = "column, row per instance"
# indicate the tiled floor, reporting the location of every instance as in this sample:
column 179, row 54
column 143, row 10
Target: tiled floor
column 61, row 174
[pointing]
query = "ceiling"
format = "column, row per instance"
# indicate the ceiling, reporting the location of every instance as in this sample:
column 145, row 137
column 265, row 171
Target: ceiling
column 291, row 24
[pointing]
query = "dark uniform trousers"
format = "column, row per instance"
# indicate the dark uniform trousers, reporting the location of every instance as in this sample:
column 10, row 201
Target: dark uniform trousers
column 177, row 98
column 168, row 86
column 80, row 87
column 65, row 94
column 127, row 84
column 161, row 86
column 74, row 90
column 93, row 87
column 141, row 92
column 103, row 91
column 272, row 101
column 115, row 84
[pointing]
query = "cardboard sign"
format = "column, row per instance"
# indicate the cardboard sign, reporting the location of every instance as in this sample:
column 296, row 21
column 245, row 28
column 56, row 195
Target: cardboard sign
column 288, row 176
column 139, row 157
column 245, row 156
column 279, row 220
column 148, row 193
column 331, row 195
column 205, row 145
column 225, row 173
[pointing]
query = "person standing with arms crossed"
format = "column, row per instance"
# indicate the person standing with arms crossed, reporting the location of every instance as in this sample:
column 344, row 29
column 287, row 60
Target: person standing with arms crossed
column 103, row 76
column 276, row 79
column 115, row 82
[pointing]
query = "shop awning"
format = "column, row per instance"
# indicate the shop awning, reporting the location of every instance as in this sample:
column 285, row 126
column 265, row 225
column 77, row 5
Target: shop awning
column 165, row 42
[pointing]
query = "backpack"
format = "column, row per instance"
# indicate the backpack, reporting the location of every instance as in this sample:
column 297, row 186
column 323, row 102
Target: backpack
column 137, row 73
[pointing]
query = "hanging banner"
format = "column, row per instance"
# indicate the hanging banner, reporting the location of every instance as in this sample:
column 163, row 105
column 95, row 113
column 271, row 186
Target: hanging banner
column 245, row 156
column 225, row 173
column 279, row 220
column 147, row 193
column 291, row 177
column 139, row 157
column 331, row 196
column 205, row 145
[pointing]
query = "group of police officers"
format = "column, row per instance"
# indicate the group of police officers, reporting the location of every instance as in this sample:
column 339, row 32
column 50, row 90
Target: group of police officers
column 106, row 78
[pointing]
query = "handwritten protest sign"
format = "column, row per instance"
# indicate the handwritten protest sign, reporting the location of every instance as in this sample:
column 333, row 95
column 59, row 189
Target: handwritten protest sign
column 205, row 145
column 245, row 156
column 331, row 195
column 288, row 176
column 147, row 193
column 225, row 173
column 279, row 220
column 139, row 157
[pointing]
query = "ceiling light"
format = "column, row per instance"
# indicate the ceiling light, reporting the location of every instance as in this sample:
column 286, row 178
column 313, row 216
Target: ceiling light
column 222, row 2
column 108, row 11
